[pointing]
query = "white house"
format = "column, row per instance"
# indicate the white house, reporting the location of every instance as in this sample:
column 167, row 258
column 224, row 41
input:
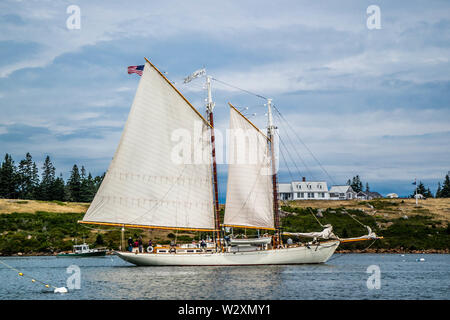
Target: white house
column 303, row 190
column 342, row 193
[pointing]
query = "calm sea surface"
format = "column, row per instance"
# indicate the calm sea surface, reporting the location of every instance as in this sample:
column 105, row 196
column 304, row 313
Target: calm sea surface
column 343, row 277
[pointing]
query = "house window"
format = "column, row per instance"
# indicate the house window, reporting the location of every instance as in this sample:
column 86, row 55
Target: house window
column 309, row 186
column 298, row 194
column 322, row 194
column 302, row 195
column 310, row 194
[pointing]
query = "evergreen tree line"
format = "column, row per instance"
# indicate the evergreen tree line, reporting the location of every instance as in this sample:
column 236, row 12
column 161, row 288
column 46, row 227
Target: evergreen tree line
column 443, row 190
column 24, row 182
column 357, row 184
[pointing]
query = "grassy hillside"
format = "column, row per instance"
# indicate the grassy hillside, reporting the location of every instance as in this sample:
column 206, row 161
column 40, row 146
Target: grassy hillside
column 32, row 227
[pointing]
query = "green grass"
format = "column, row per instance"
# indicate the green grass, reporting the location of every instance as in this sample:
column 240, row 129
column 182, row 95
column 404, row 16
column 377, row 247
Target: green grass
column 418, row 232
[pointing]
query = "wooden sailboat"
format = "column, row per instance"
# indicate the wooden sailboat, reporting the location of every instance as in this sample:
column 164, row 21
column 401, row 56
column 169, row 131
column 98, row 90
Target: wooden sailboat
column 145, row 188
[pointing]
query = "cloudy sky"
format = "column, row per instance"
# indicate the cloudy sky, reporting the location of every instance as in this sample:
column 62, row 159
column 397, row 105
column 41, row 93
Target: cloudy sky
column 373, row 102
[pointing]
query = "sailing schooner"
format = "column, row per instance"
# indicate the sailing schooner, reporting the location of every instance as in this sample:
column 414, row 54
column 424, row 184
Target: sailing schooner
column 152, row 184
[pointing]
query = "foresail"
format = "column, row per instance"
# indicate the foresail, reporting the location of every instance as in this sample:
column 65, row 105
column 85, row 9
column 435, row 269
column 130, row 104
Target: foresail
column 249, row 201
column 160, row 175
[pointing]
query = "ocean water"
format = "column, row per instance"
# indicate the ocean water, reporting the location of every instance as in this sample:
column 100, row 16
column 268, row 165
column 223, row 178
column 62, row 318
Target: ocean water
column 344, row 276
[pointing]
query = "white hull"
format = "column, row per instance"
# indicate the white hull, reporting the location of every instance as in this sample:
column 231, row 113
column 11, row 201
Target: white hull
column 294, row 255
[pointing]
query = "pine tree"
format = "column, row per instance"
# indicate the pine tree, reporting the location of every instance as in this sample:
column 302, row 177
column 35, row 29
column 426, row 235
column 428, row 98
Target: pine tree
column 356, row 184
column 98, row 181
column 74, row 185
column 87, row 188
column 9, row 179
column 421, row 189
column 438, row 191
column 367, row 187
column 445, row 192
column 48, row 180
column 28, row 178
column 58, row 189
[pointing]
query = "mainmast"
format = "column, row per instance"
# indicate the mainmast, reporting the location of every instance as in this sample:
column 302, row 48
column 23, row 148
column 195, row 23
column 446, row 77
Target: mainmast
column 209, row 111
column 271, row 135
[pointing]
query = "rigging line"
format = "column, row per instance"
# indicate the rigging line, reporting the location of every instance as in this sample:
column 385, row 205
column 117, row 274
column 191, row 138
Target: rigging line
column 287, row 167
column 355, row 219
column 292, row 158
column 309, row 209
column 299, row 156
column 297, row 153
column 243, row 90
column 295, row 133
column 342, row 255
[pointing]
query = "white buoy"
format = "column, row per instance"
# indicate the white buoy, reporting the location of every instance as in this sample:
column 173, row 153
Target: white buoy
column 60, row 290
column 420, row 260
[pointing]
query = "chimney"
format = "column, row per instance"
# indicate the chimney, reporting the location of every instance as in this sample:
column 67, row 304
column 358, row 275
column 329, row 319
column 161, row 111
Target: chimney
column 303, row 179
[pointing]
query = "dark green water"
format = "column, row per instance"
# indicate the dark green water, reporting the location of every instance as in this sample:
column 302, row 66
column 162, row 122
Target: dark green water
column 343, row 277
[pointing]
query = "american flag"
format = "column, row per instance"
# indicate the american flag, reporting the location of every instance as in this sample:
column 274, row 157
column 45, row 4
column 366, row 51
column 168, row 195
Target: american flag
column 136, row 69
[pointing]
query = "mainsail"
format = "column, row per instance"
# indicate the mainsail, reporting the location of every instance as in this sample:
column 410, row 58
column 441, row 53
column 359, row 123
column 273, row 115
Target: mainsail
column 249, row 201
column 146, row 184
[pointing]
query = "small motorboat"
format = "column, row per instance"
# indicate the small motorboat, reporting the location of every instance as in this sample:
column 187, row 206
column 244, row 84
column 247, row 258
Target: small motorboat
column 83, row 250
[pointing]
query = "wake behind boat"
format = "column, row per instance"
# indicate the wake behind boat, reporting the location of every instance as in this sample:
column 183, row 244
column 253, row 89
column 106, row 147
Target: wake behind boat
column 155, row 183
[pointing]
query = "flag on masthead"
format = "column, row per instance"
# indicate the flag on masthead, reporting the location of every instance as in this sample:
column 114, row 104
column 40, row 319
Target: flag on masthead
column 136, row 69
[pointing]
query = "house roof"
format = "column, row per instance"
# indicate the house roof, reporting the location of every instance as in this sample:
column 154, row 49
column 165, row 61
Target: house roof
column 374, row 194
column 341, row 189
column 309, row 186
column 303, row 186
column 284, row 188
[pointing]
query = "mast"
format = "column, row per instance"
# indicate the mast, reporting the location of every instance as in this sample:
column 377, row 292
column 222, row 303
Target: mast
column 209, row 110
column 271, row 135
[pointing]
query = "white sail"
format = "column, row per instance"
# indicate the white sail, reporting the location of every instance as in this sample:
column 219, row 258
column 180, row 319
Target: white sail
column 249, row 201
column 146, row 183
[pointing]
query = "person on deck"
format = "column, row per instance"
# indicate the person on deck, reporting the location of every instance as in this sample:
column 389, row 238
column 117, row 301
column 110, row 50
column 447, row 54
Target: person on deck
column 140, row 244
column 289, row 242
column 203, row 244
column 130, row 244
column 172, row 247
